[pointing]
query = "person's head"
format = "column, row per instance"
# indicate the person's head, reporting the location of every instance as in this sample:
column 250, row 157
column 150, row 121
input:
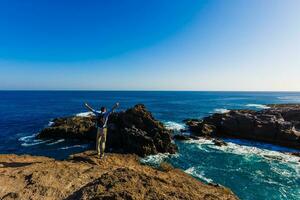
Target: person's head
column 103, row 109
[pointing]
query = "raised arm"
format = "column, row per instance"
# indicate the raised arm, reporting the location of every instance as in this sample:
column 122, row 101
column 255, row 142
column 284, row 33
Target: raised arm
column 113, row 108
column 89, row 107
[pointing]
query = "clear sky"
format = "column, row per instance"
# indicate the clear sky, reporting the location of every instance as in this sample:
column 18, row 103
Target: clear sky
column 150, row 45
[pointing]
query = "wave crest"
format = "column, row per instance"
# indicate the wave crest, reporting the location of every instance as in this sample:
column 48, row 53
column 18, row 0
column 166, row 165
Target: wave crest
column 174, row 126
column 221, row 110
column 84, row 114
column 74, row 146
column 260, row 106
column 199, row 174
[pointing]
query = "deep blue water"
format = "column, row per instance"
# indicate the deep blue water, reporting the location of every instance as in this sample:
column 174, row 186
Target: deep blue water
column 251, row 170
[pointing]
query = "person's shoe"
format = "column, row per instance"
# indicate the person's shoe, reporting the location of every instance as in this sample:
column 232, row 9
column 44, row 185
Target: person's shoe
column 102, row 156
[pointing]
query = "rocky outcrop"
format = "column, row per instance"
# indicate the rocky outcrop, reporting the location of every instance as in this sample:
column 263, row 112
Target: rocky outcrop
column 84, row 176
column 219, row 142
column 181, row 137
column 280, row 124
column 132, row 131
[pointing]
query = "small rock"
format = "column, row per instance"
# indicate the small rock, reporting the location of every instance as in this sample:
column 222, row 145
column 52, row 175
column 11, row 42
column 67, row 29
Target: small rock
column 181, row 137
column 219, row 142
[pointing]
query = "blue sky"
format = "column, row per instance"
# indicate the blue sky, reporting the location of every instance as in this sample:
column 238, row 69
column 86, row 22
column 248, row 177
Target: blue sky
column 150, row 45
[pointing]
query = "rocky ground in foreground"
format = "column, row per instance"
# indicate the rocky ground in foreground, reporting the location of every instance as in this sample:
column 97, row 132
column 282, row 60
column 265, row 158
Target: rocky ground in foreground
column 279, row 124
column 84, row 176
column 132, row 131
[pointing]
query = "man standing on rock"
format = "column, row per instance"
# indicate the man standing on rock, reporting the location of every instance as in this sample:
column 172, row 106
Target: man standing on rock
column 101, row 125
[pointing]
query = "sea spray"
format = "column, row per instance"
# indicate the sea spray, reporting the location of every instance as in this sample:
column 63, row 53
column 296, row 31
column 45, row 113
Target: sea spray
column 259, row 106
column 221, row 110
column 174, row 125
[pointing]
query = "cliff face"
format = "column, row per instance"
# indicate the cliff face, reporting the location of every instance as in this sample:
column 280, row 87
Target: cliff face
column 84, row 176
column 280, row 124
column 133, row 131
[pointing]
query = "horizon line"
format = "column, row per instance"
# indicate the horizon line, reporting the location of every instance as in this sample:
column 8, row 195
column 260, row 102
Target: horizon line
column 116, row 90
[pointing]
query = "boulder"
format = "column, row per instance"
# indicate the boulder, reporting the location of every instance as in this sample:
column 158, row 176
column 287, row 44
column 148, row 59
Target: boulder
column 181, row 137
column 132, row 131
column 219, row 142
column 279, row 124
column 199, row 128
column 294, row 154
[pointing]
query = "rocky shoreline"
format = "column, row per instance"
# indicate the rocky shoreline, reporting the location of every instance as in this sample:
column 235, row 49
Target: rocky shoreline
column 132, row 131
column 279, row 124
column 84, row 176
column 137, row 131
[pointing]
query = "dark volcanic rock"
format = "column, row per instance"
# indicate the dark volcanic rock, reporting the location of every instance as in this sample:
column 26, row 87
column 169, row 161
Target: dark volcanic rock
column 181, row 137
column 185, row 137
column 280, row 124
column 133, row 131
column 219, row 142
column 294, row 153
column 199, row 128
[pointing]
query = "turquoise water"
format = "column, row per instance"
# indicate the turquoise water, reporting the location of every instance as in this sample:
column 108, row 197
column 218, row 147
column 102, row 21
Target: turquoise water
column 251, row 170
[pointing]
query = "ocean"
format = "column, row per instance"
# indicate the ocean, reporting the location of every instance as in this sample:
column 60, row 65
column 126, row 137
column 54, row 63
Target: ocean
column 252, row 170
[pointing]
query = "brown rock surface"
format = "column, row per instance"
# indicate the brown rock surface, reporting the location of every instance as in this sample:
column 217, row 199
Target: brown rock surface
column 84, row 176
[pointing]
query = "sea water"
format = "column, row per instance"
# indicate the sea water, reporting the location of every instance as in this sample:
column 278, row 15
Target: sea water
column 252, row 170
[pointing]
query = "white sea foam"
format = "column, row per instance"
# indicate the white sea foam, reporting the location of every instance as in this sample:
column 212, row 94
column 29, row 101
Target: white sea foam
column 157, row 159
column 260, row 106
column 50, row 123
column 272, row 154
column 56, row 142
column 84, row 114
column 200, row 141
column 221, row 110
column 290, row 98
column 282, row 171
column 34, row 142
column 27, row 138
column 192, row 171
column 30, row 140
column 75, row 146
column 268, row 154
column 260, row 145
column 249, row 148
column 174, row 126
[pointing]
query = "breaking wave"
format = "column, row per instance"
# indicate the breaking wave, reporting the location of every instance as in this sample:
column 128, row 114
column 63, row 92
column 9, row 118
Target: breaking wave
column 34, row 143
column 267, row 154
column 56, row 142
column 199, row 174
column 221, row 110
column 249, row 148
column 74, row 146
column 155, row 160
column 50, row 123
column 290, row 98
column 27, row 138
column 174, row 126
column 84, row 114
column 259, row 106
column 30, row 140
